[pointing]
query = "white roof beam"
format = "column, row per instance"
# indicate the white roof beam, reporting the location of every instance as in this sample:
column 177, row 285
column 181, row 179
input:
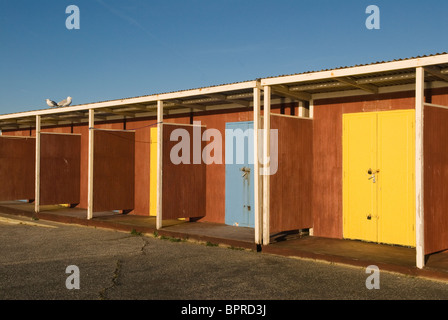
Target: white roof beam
column 9, row 127
column 26, row 121
column 436, row 72
column 141, row 105
column 338, row 84
column 218, row 96
column 51, row 117
column 197, row 107
column 73, row 114
column 8, row 121
column 194, row 106
column 118, row 112
column 224, row 97
column 243, row 103
column 366, row 87
column 199, row 101
column 284, row 91
column 182, row 104
column 49, row 121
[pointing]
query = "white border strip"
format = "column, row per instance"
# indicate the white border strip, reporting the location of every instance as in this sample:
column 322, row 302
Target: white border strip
column 435, row 105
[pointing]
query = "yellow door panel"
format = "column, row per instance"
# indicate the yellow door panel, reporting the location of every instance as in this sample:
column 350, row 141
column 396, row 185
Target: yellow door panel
column 359, row 155
column 153, row 174
column 382, row 208
column 396, row 209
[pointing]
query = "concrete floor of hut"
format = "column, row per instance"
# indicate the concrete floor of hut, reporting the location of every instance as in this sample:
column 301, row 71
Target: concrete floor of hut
column 214, row 233
column 357, row 253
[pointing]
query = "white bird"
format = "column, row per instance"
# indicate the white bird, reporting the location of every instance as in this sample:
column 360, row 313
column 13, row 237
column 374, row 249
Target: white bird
column 65, row 102
column 51, row 103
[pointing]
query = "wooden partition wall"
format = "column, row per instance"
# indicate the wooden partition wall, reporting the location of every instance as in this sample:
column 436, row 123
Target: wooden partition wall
column 291, row 185
column 113, row 170
column 435, row 148
column 17, row 168
column 184, row 184
column 327, row 152
column 60, row 168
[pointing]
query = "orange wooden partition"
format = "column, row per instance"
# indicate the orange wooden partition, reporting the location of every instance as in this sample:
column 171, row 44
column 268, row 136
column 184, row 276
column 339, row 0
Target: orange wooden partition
column 435, row 148
column 60, row 168
column 113, row 170
column 291, row 186
column 183, row 184
column 17, row 168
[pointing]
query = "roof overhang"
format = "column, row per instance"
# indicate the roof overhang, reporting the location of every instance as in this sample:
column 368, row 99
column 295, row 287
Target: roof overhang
column 368, row 79
column 358, row 80
column 231, row 95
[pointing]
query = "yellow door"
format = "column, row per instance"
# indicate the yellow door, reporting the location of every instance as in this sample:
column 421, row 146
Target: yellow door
column 378, row 180
column 396, row 160
column 153, row 174
column 359, row 205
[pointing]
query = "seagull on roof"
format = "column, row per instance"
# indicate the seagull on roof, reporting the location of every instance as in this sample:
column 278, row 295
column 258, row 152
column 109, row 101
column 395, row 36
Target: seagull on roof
column 51, row 103
column 65, row 102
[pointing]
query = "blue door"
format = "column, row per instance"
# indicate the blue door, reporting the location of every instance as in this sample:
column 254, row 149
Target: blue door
column 239, row 174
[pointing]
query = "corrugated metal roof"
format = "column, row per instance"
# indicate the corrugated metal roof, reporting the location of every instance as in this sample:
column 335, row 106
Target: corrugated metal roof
column 316, row 82
column 358, row 65
column 175, row 91
column 278, row 76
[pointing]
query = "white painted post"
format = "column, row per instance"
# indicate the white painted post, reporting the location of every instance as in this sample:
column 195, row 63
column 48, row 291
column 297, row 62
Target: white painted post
column 266, row 156
column 419, row 200
column 90, row 164
column 159, row 163
column 37, row 168
column 257, row 183
column 301, row 109
column 311, row 115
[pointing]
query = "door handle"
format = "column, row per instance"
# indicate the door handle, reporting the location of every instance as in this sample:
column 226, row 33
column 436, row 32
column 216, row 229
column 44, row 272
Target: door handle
column 245, row 171
column 373, row 174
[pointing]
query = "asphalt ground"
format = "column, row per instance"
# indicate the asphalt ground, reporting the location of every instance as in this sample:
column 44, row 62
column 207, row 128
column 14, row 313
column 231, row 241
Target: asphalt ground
column 114, row 265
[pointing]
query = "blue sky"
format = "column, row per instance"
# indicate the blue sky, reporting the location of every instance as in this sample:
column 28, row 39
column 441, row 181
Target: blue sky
column 139, row 47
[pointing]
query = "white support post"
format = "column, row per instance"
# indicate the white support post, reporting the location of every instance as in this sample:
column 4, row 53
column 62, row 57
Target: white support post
column 257, row 181
column 159, row 218
column 37, row 168
column 419, row 191
column 311, row 115
column 301, row 109
column 266, row 156
column 90, row 164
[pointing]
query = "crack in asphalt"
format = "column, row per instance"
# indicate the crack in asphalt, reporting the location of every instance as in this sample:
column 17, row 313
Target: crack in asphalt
column 145, row 243
column 115, row 282
column 117, row 272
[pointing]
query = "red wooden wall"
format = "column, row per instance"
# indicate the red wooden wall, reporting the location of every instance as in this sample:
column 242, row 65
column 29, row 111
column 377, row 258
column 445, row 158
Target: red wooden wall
column 183, row 184
column 142, row 160
column 216, row 173
column 114, row 170
column 291, row 185
column 60, row 168
column 435, row 179
column 17, row 168
column 327, row 150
